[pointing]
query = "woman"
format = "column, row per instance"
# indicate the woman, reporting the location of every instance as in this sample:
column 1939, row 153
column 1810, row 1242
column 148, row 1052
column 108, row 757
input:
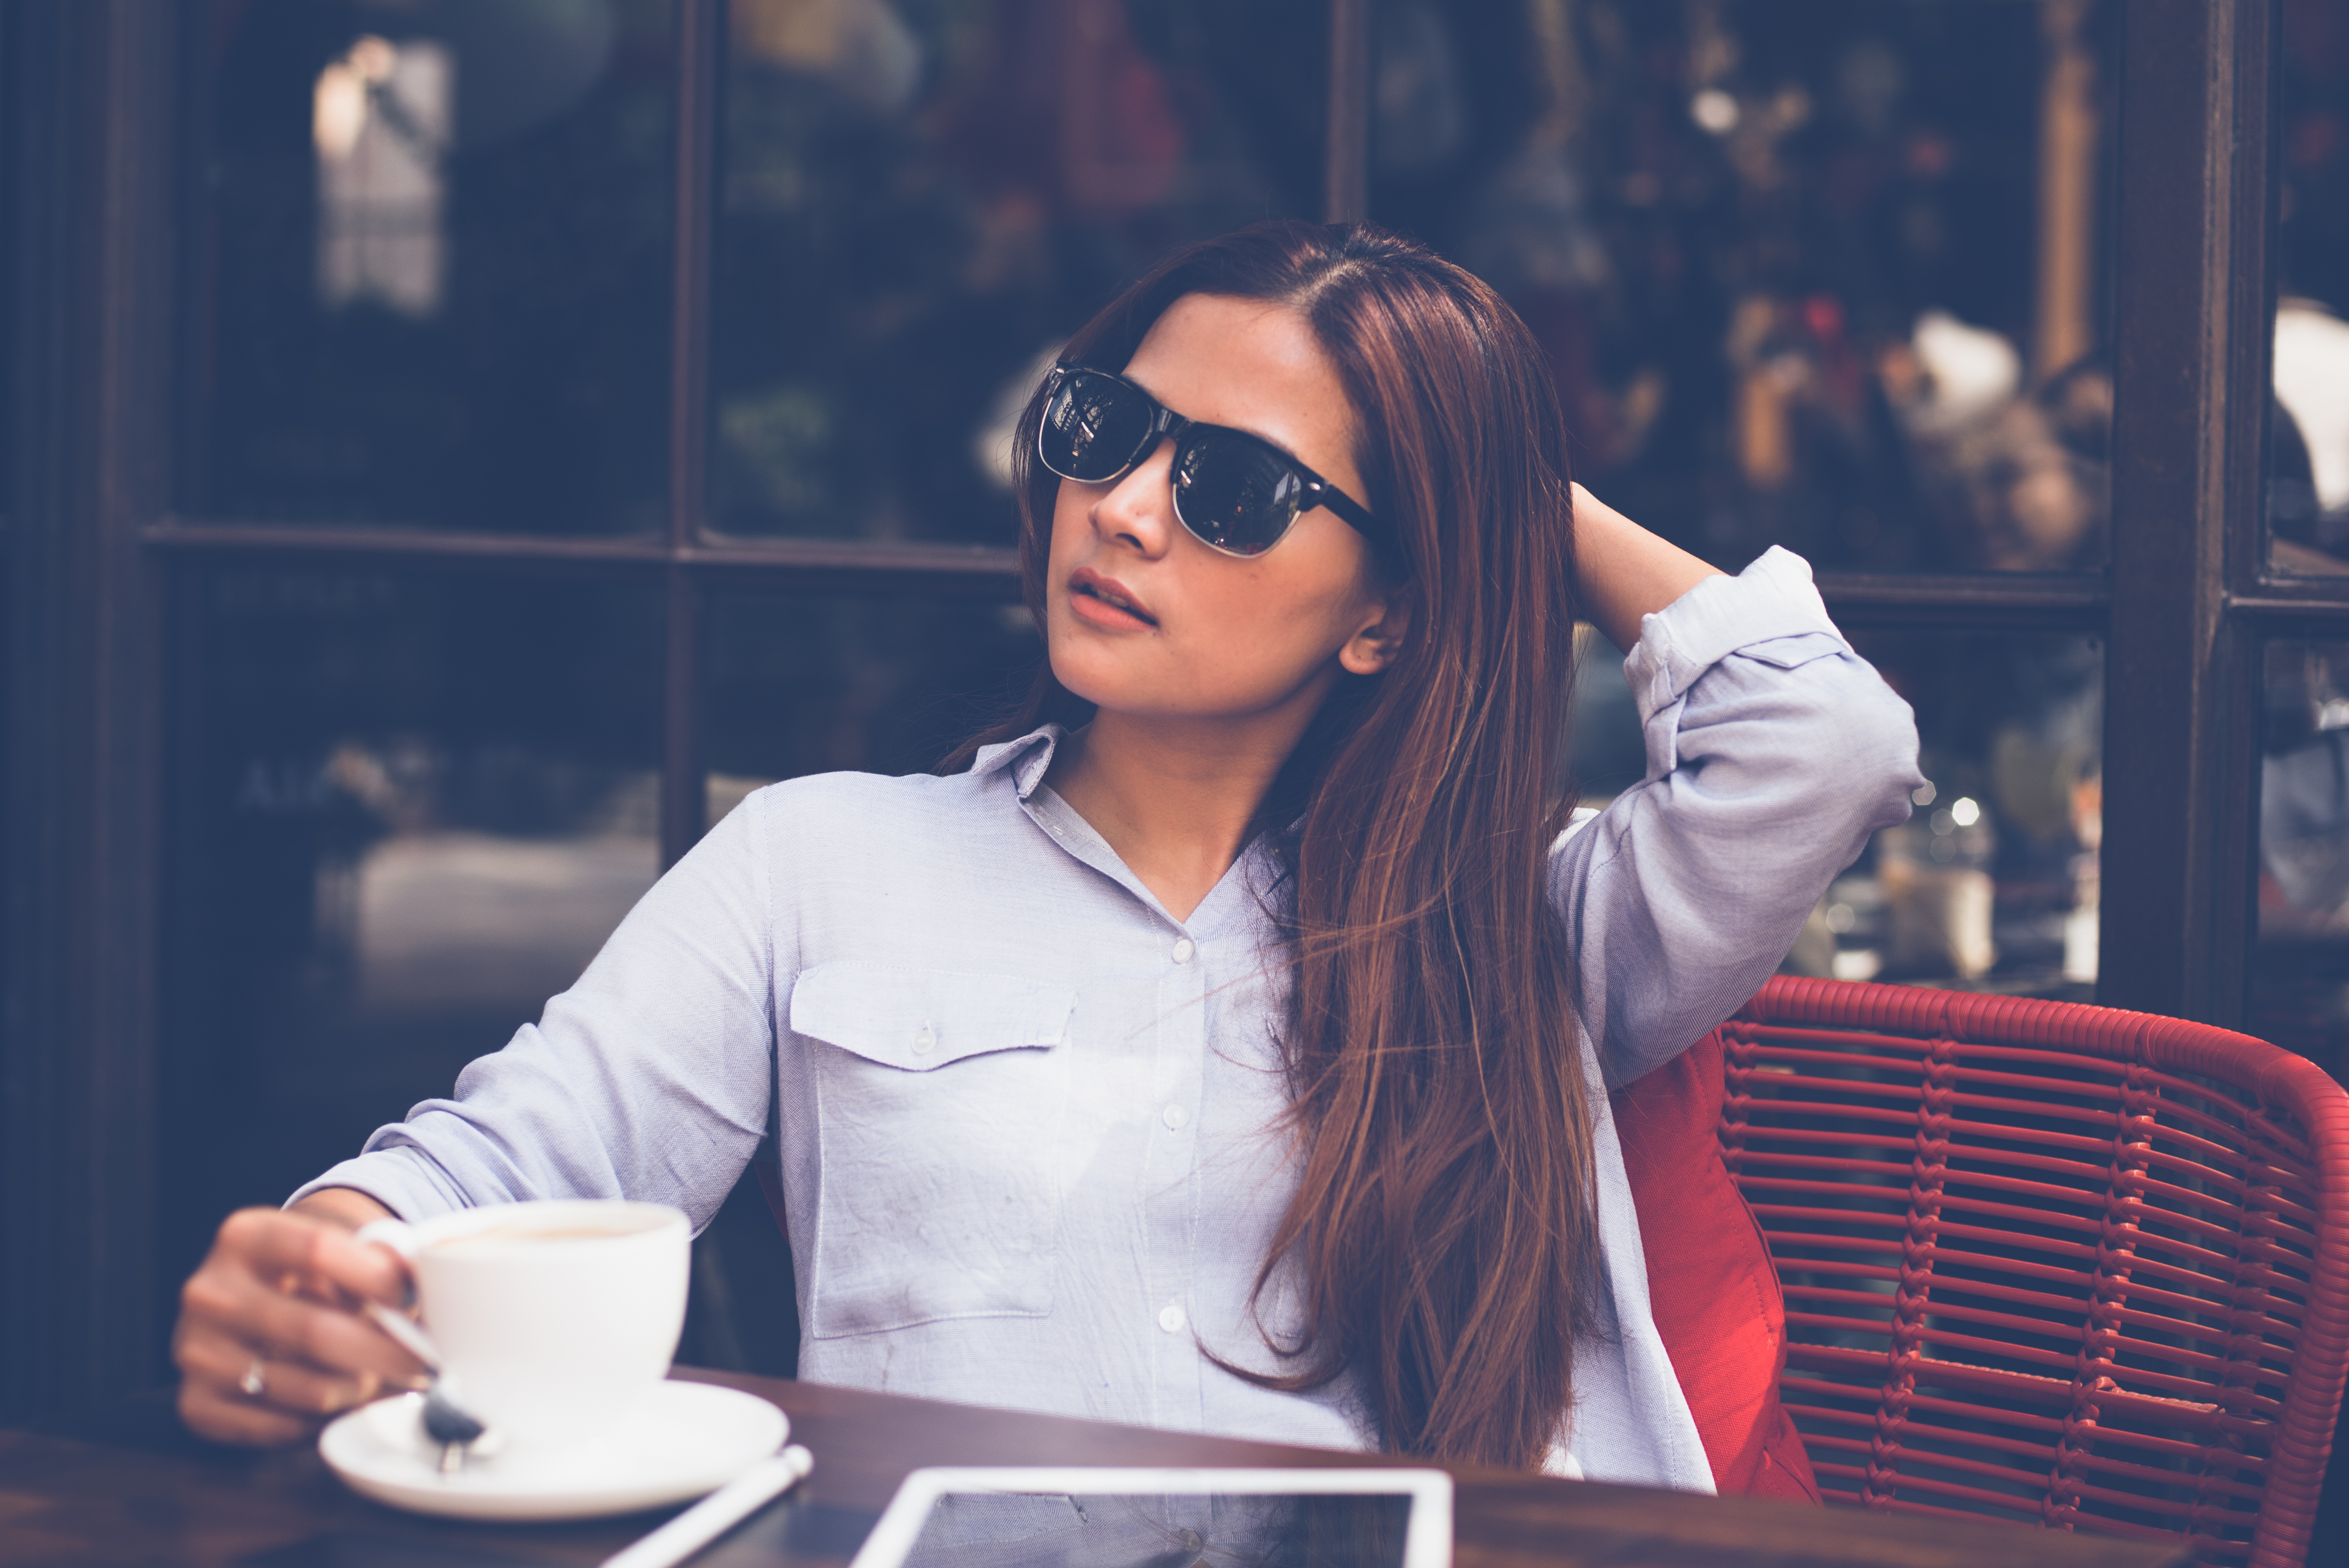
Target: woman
column 1228, row 1046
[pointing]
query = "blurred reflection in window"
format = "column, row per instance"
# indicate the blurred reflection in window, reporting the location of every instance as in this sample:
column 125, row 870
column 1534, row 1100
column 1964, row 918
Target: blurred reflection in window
column 2308, row 490
column 443, row 913
column 401, row 814
column 805, row 684
column 1824, row 273
column 382, row 119
column 2308, row 484
column 2300, row 984
column 9, row 411
column 1993, row 883
column 920, row 202
column 429, row 274
column 1604, row 752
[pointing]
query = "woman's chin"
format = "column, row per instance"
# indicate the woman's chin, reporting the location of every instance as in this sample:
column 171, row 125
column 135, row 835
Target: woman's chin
column 1100, row 671
column 1109, row 696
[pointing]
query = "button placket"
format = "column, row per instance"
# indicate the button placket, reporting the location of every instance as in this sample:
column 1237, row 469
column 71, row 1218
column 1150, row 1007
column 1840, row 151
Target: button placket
column 1172, row 1178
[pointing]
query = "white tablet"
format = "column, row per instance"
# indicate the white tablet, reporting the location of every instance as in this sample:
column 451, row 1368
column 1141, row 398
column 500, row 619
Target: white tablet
column 1072, row 1518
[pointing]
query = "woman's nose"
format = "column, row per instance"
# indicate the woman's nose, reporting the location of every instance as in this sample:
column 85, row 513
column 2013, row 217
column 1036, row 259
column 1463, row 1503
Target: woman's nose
column 1140, row 507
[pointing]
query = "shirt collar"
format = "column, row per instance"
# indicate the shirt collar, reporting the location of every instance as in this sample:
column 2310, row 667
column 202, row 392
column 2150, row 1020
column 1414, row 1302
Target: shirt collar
column 1027, row 759
column 1030, row 758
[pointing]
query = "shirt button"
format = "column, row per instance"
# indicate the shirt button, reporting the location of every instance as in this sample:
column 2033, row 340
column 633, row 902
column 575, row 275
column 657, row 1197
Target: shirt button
column 1174, row 1116
column 1171, row 1320
column 926, row 1042
column 1183, row 949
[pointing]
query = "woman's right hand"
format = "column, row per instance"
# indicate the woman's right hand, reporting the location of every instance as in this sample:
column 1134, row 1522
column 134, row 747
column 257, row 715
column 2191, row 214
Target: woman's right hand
column 271, row 1341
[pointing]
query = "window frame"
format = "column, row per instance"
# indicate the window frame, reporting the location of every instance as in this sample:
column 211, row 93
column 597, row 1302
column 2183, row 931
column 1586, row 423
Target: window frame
column 2186, row 605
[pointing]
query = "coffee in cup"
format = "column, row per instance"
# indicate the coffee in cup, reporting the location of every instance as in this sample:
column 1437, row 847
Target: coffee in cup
column 551, row 1319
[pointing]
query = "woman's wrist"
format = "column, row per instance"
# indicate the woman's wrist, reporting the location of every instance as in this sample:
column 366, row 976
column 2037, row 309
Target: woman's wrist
column 1623, row 572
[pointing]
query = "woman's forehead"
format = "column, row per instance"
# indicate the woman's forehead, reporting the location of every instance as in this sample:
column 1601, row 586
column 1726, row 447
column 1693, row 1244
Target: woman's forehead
column 1252, row 364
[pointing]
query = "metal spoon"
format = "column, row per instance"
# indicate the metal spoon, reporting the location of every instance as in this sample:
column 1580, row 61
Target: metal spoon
column 446, row 1422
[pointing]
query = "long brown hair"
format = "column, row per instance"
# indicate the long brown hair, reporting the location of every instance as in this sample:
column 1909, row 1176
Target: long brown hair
column 1443, row 1224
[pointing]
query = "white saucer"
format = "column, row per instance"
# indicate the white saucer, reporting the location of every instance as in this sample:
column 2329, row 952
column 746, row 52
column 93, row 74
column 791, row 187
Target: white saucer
column 685, row 1440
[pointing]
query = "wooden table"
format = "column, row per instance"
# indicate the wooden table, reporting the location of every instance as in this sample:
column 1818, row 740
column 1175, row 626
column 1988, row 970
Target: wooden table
column 131, row 1487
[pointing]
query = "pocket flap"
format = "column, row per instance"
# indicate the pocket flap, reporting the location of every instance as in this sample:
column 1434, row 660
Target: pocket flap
column 919, row 1019
column 1792, row 652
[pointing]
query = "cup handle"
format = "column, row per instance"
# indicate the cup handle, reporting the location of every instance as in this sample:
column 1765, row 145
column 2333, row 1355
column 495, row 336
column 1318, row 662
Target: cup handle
column 400, row 1237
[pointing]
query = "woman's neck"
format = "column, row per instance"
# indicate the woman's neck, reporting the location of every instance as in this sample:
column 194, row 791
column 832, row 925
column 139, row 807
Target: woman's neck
column 1175, row 798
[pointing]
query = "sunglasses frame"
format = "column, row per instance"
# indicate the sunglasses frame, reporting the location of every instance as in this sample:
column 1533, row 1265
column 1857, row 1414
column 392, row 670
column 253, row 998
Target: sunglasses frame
column 1313, row 490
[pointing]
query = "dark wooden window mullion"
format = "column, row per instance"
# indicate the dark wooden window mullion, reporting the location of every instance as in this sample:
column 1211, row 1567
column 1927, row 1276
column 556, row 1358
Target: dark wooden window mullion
column 2325, row 620
column 2189, row 363
column 2247, row 215
column 1345, row 146
column 2279, row 595
column 768, row 563
column 91, row 92
column 682, row 794
column 2018, row 601
column 2075, row 601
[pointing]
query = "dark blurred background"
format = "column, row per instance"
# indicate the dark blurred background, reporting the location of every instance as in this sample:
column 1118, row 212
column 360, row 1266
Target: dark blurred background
column 456, row 449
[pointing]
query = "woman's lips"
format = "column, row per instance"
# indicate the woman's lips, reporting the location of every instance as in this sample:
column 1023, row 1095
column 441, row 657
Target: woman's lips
column 1105, row 602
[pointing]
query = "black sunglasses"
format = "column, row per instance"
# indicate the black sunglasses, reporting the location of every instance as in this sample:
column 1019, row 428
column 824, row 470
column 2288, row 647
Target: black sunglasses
column 1236, row 493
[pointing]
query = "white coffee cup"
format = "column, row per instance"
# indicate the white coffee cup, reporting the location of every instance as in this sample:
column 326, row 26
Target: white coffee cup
column 551, row 1319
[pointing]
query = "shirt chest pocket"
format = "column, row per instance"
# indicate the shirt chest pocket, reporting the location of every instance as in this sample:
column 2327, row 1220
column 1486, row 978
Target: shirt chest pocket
column 941, row 1103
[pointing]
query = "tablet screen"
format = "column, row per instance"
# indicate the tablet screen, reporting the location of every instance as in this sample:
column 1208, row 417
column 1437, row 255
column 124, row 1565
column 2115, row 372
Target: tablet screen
column 1347, row 1516
column 1006, row 1529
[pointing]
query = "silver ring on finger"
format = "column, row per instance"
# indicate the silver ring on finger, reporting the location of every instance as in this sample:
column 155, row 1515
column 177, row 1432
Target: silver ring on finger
column 255, row 1381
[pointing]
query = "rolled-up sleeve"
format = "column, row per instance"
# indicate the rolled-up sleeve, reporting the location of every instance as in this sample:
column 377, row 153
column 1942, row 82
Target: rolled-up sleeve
column 1773, row 751
column 650, row 1078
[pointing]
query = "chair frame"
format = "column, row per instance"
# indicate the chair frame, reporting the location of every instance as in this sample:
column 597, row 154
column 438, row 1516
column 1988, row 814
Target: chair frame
column 2197, row 1129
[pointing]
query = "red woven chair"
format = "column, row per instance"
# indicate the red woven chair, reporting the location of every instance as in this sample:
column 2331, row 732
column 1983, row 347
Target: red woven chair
column 2064, row 1265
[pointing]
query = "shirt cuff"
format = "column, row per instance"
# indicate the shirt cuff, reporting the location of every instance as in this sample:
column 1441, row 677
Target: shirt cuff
column 1771, row 599
column 403, row 1180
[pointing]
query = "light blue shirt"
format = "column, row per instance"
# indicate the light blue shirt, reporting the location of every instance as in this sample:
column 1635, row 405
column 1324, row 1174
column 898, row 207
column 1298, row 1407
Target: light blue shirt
column 1026, row 1120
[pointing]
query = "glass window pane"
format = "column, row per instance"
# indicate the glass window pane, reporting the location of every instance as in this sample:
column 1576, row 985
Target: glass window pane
column 2308, row 491
column 2300, row 979
column 1823, row 274
column 798, row 683
column 401, row 812
column 920, row 202
column 429, row 280
column 1992, row 885
column 11, row 25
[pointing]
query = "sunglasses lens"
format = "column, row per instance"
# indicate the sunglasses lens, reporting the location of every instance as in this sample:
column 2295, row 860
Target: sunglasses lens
column 1237, row 494
column 1093, row 428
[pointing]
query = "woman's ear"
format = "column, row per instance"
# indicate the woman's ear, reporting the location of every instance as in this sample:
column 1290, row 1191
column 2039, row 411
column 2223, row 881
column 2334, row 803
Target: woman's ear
column 1369, row 650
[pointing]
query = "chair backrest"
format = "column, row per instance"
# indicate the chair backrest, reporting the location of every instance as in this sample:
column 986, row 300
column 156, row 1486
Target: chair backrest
column 2059, row 1264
